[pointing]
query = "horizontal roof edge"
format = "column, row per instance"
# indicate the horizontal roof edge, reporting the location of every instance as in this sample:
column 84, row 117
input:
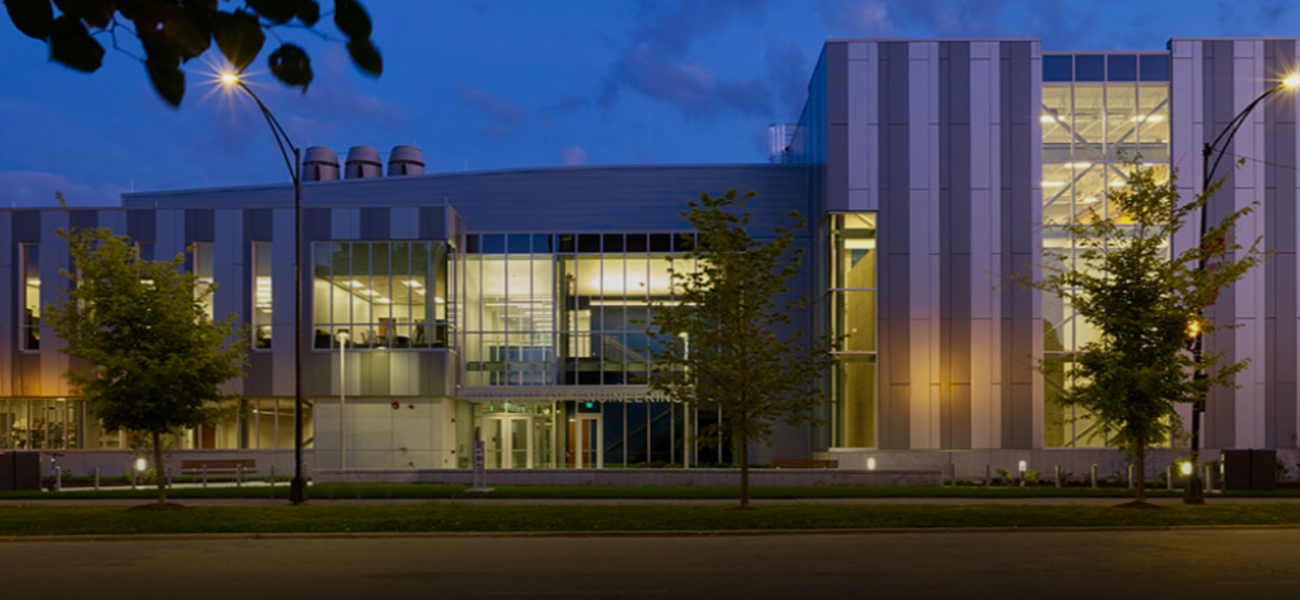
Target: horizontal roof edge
column 448, row 174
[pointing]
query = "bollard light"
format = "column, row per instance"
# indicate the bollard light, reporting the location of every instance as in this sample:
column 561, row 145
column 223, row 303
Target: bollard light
column 871, row 464
column 140, row 464
column 1023, row 467
column 1185, row 468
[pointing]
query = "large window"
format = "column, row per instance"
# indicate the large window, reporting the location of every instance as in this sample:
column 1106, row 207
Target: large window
column 202, row 267
column 568, row 309
column 852, row 297
column 381, row 295
column 30, row 327
column 1098, row 111
column 262, row 299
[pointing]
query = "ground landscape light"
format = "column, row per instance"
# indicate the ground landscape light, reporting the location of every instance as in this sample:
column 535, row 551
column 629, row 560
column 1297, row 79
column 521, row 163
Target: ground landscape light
column 1023, row 466
column 140, row 464
column 871, row 464
column 1185, row 468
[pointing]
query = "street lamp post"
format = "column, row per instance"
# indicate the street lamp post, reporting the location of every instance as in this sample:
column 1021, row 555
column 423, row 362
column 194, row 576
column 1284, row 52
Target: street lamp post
column 1211, row 155
column 343, row 394
column 298, row 487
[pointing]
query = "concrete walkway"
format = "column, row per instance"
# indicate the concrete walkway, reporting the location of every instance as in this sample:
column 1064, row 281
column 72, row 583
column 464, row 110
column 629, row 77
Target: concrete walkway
column 489, row 501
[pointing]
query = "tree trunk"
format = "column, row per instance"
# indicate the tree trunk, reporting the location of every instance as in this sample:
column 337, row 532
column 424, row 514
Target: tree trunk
column 744, row 475
column 1141, row 479
column 160, row 467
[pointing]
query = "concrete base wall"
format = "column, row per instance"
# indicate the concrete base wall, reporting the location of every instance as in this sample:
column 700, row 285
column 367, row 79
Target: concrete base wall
column 637, row 477
column 116, row 463
column 972, row 464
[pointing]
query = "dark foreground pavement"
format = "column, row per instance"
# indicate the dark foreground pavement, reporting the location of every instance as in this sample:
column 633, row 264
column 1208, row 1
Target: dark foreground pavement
column 1254, row 564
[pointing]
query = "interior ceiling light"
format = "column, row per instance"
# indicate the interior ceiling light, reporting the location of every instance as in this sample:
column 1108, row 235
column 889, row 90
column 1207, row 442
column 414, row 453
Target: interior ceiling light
column 412, row 283
column 1053, row 184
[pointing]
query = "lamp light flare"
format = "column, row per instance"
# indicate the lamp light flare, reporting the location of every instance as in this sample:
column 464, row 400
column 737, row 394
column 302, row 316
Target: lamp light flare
column 229, row 78
column 1292, row 81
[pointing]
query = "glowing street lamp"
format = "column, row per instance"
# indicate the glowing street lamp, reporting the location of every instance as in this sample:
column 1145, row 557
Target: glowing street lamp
column 232, row 80
column 1215, row 150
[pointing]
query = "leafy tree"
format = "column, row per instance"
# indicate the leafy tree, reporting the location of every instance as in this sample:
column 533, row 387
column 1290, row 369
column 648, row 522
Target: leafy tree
column 727, row 341
column 154, row 362
column 1147, row 308
column 174, row 32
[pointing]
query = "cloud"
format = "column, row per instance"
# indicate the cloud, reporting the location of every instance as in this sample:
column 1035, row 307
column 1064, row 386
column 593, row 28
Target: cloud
column 568, row 103
column 37, row 188
column 857, row 18
column 574, row 156
column 655, row 60
column 505, row 114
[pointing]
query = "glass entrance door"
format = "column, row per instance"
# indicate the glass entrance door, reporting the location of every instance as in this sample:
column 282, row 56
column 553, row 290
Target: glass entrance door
column 586, row 438
column 507, row 441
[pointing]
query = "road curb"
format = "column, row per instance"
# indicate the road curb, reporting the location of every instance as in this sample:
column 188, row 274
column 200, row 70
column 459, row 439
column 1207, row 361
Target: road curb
column 176, row 537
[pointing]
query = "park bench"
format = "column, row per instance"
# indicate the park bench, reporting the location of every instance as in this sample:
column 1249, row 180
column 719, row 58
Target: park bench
column 804, row 464
column 219, row 467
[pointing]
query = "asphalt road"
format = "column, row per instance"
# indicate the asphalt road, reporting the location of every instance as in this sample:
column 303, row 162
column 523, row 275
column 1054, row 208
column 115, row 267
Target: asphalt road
column 1240, row 564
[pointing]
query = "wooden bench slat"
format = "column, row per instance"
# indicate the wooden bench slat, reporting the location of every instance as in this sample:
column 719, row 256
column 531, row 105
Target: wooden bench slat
column 804, row 464
column 218, row 466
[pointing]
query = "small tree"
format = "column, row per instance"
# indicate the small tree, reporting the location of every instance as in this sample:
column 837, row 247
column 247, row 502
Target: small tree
column 727, row 341
column 1147, row 308
column 154, row 362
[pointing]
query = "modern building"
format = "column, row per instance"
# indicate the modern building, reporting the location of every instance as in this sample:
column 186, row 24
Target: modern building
column 509, row 306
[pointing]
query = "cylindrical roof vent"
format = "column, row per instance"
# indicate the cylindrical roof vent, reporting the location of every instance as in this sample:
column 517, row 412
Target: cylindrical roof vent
column 363, row 162
column 320, row 164
column 405, row 160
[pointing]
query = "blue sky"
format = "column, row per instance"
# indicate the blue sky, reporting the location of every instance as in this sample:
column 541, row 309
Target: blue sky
column 488, row 84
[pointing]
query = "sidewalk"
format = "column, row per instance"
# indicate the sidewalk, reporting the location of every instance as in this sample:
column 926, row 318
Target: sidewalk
column 489, row 501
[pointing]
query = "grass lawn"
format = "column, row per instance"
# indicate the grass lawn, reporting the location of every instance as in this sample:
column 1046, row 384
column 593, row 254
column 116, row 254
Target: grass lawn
column 434, row 491
column 70, row 520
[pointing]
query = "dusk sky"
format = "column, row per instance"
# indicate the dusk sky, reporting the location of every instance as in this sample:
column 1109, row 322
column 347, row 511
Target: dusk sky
column 492, row 84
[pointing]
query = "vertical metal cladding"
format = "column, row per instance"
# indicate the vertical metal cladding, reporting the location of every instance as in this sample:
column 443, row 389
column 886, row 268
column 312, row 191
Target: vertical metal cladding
column 1280, row 216
column 955, row 244
column 1217, row 80
column 894, row 270
column 1018, row 208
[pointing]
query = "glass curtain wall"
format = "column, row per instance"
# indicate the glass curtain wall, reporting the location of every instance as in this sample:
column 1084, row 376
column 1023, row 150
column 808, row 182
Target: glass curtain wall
column 382, row 295
column 68, row 424
column 569, row 309
column 573, row 310
column 852, row 296
column 262, row 304
column 1099, row 112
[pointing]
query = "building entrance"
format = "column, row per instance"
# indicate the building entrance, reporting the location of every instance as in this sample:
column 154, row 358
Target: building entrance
column 508, row 441
column 586, row 438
